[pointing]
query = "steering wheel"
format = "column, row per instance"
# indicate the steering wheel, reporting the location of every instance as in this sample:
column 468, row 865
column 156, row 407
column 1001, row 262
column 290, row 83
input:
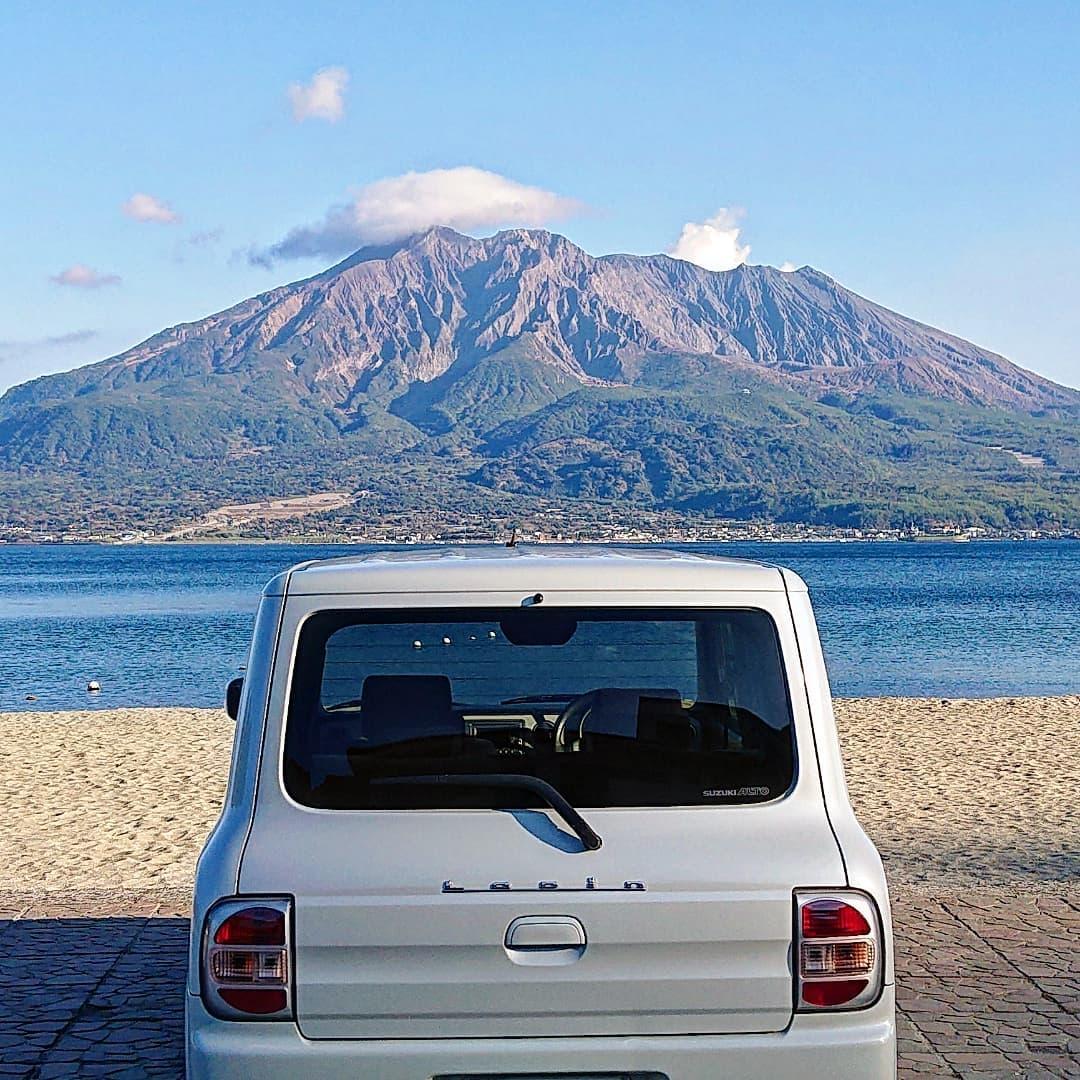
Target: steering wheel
column 568, row 725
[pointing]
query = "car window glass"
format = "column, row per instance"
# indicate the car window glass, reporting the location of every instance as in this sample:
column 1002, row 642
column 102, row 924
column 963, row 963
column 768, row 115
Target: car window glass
column 613, row 707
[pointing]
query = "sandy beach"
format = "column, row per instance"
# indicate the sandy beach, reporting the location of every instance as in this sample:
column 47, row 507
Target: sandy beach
column 957, row 794
column 972, row 804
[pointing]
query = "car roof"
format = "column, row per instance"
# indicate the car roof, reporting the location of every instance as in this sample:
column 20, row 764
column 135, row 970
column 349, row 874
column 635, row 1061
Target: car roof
column 528, row 568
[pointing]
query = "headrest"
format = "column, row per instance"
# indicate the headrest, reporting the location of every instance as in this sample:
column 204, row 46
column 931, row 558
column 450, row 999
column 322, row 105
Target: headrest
column 398, row 707
column 615, row 710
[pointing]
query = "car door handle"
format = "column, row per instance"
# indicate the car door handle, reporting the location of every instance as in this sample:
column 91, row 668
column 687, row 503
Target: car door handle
column 544, row 939
column 545, row 932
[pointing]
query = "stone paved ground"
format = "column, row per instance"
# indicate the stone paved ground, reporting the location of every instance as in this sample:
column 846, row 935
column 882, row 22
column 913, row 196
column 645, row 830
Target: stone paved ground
column 989, row 985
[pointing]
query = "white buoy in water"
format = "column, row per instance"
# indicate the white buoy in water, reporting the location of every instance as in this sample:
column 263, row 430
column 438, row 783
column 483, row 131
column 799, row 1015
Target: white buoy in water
column 446, row 641
column 93, row 686
column 417, row 644
column 491, row 634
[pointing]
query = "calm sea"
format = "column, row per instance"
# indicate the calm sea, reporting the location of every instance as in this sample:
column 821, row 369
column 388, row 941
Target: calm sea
column 169, row 624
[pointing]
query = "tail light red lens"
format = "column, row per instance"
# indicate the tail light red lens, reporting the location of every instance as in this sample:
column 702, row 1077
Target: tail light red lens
column 246, row 968
column 832, row 918
column 252, row 926
column 838, row 950
column 829, row 995
column 256, row 1002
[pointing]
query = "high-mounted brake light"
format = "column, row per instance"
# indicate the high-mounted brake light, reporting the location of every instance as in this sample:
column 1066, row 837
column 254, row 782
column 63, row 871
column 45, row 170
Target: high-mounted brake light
column 245, row 960
column 839, row 963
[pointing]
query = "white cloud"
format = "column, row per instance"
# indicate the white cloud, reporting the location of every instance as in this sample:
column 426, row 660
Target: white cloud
column 207, row 238
column 143, row 207
column 788, row 268
column 49, row 342
column 80, row 276
column 465, row 198
column 713, row 243
column 196, row 241
column 323, row 98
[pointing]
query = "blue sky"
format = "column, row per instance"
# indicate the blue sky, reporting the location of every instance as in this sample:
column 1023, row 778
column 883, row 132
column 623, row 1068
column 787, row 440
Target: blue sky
column 925, row 155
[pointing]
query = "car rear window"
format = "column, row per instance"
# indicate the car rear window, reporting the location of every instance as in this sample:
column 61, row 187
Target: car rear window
column 613, row 707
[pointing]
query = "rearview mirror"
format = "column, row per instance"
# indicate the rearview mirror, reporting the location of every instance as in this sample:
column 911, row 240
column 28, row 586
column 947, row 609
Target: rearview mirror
column 232, row 698
column 532, row 627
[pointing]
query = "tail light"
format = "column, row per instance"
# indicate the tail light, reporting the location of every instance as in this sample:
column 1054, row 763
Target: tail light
column 838, row 950
column 246, row 960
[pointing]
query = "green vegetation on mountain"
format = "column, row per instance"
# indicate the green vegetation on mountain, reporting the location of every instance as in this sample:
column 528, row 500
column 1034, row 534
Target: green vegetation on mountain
column 455, row 376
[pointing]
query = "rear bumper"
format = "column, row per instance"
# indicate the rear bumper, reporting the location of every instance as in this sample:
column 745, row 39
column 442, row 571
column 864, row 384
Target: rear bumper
column 860, row 1046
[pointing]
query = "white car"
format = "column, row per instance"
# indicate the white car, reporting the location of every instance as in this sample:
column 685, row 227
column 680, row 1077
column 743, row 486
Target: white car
column 537, row 814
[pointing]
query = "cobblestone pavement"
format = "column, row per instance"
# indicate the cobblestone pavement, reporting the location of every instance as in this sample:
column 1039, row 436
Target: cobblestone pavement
column 92, row 987
column 988, row 985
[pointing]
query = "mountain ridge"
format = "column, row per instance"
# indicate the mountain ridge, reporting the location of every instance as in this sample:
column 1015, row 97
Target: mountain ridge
column 729, row 321
column 522, row 364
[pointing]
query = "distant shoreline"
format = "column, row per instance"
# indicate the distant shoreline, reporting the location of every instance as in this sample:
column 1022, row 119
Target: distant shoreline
column 111, row 708
column 328, row 541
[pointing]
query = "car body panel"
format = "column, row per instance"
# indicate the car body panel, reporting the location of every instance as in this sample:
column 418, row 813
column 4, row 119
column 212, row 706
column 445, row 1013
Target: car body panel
column 699, row 959
column 380, row 952
column 841, row 1046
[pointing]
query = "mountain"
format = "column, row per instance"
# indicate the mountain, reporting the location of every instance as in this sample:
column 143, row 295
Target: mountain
column 520, row 365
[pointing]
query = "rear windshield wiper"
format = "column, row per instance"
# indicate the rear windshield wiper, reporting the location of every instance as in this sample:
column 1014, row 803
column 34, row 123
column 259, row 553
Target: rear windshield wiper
column 532, row 784
column 530, row 699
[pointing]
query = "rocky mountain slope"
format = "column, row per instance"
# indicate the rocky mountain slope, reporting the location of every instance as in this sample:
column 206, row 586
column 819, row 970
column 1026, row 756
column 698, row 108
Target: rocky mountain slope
column 520, row 363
